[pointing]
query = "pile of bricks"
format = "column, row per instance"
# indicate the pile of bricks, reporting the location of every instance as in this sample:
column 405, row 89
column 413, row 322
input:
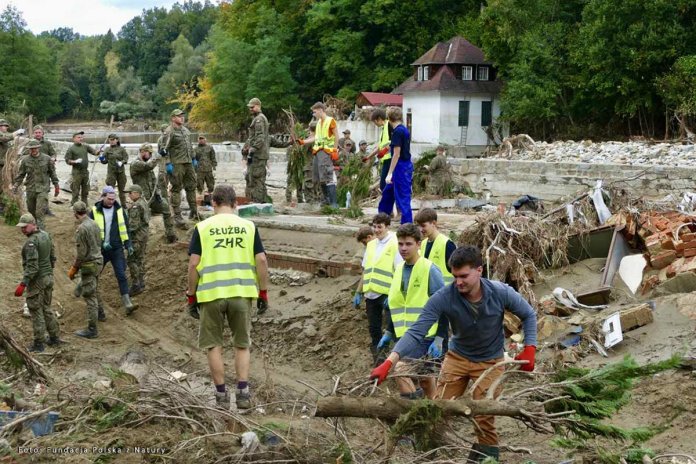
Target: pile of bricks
column 670, row 243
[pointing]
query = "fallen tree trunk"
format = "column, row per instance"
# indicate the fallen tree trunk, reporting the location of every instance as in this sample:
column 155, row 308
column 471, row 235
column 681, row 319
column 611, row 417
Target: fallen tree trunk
column 392, row 408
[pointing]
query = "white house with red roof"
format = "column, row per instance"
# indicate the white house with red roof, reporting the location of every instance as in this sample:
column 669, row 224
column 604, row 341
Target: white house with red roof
column 453, row 96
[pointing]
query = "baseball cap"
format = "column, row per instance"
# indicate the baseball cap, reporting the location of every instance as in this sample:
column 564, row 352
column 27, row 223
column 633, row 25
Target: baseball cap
column 26, row 219
column 3, row 122
column 177, row 112
column 347, row 131
column 363, row 142
column 78, row 133
column 134, row 188
column 254, row 101
column 79, row 207
column 113, row 136
column 108, row 189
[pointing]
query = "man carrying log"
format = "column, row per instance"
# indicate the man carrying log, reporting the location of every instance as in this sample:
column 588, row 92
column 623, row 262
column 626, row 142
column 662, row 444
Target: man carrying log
column 475, row 308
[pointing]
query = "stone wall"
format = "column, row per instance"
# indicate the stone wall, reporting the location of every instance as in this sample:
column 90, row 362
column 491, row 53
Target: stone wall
column 506, row 179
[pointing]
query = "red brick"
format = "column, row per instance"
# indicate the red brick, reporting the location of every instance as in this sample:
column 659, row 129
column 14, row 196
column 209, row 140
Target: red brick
column 691, row 244
column 688, row 237
column 649, row 283
column 664, row 258
column 689, row 252
column 667, row 243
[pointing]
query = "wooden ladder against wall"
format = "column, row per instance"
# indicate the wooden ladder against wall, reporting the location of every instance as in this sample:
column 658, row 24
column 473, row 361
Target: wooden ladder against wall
column 463, row 136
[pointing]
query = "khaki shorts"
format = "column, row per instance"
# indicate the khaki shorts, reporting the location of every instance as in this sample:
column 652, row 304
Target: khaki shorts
column 237, row 312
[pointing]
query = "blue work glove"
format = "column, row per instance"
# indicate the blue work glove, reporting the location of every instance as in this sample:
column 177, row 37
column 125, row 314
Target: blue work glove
column 435, row 348
column 107, row 246
column 357, row 299
column 102, row 159
column 385, row 340
column 170, row 169
column 195, row 163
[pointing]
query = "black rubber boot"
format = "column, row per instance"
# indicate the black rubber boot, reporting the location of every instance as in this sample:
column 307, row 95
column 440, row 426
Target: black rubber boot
column 333, row 200
column 101, row 315
column 136, row 289
column 36, row 347
column 54, row 341
column 479, row 453
column 89, row 332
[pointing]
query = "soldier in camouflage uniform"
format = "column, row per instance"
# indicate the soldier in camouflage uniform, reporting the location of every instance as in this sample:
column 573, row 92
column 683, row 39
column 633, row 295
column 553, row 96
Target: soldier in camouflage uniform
column 177, row 146
column 5, row 139
column 39, row 171
column 47, row 149
column 38, row 260
column 138, row 231
column 439, row 174
column 88, row 263
column 116, row 157
column 142, row 173
column 205, row 163
column 76, row 156
column 257, row 153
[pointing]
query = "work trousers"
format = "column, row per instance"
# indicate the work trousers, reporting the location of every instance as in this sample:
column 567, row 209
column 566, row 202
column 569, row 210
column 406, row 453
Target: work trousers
column 399, row 191
column 183, row 178
column 160, row 205
column 118, row 263
column 136, row 260
column 257, row 180
column 79, row 185
column 377, row 313
column 88, row 285
column 454, row 377
column 205, row 178
column 117, row 179
column 39, row 296
column 37, row 203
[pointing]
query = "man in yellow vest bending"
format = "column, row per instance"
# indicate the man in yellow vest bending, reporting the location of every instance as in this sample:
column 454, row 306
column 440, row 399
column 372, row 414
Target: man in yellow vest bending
column 227, row 270
column 415, row 280
column 325, row 150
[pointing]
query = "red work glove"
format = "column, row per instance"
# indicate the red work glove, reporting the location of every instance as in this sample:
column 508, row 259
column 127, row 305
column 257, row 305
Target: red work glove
column 299, row 141
column 19, row 291
column 191, row 299
column 527, row 355
column 56, row 192
column 365, row 159
column 262, row 302
column 72, row 272
column 381, row 372
column 337, row 168
column 382, row 152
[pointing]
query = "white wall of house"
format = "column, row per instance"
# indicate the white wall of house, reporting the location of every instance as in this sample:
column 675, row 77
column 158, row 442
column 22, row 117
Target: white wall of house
column 425, row 111
column 359, row 130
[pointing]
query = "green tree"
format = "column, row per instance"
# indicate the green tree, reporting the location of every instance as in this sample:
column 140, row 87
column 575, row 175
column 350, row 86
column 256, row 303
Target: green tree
column 183, row 70
column 678, row 88
column 99, row 85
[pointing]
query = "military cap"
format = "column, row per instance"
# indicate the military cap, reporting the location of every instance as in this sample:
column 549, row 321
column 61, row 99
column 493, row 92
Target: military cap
column 164, row 126
column 79, row 207
column 33, row 143
column 254, row 101
column 134, row 188
column 108, row 189
column 177, row 112
column 3, row 122
column 113, row 136
column 441, row 148
column 201, row 137
column 347, row 131
column 363, row 142
column 26, row 219
column 78, row 133
column 146, row 147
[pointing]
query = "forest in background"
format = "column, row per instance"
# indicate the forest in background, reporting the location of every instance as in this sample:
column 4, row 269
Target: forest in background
column 572, row 68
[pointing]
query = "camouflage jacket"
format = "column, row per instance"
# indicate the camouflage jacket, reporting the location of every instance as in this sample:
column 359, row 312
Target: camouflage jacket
column 38, row 256
column 142, row 173
column 79, row 152
column 258, row 137
column 88, row 242
column 438, row 166
column 5, row 139
column 39, row 171
column 205, row 154
column 113, row 156
column 138, row 220
column 177, row 143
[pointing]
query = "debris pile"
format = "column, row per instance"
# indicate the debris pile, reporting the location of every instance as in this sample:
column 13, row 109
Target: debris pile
column 586, row 151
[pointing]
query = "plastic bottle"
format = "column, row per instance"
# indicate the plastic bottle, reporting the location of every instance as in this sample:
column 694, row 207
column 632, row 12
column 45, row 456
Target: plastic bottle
column 348, row 197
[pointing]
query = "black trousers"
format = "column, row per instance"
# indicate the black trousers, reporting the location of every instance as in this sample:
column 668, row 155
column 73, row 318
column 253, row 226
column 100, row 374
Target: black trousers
column 376, row 312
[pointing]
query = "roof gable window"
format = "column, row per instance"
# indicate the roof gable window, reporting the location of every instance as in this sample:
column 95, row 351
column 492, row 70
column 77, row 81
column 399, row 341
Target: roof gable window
column 467, row 73
column 482, row 73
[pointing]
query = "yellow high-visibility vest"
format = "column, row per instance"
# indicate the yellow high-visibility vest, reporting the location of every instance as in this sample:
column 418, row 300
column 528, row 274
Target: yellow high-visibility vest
column 438, row 253
column 379, row 271
column 405, row 309
column 322, row 139
column 384, row 142
column 228, row 265
column 101, row 222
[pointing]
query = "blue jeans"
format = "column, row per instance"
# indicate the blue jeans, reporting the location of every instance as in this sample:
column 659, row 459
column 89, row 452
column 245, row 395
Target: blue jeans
column 384, row 170
column 118, row 262
column 399, row 191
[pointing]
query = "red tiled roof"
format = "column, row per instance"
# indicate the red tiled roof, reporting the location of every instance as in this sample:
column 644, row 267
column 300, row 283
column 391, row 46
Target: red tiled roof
column 378, row 99
column 457, row 50
column 444, row 79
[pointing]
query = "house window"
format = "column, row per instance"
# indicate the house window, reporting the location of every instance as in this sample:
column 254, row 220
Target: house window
column 426, row 73
column 486, row 113
column 467, row 73
column 483, row 73
column 463, row 113
column 420, row 73
column 409, row 119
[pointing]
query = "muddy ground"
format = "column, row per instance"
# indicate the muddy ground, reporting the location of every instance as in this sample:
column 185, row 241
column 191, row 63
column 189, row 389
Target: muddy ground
column 310, row 335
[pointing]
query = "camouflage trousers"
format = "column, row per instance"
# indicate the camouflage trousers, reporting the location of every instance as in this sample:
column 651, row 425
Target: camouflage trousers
column 136, row 260
column 89, row 275
column 37, row 203
column 183, row 178
column 79, row 185
column 160, row 205
column 39, row 295
column 257, row 181
column 117, row 179
column 207, row 178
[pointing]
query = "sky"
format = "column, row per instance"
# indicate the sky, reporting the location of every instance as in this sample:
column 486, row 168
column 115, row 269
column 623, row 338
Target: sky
column 87, row 17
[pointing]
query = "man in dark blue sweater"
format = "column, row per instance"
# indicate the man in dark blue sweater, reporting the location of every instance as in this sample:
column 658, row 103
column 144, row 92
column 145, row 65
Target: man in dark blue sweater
column 475, row 308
